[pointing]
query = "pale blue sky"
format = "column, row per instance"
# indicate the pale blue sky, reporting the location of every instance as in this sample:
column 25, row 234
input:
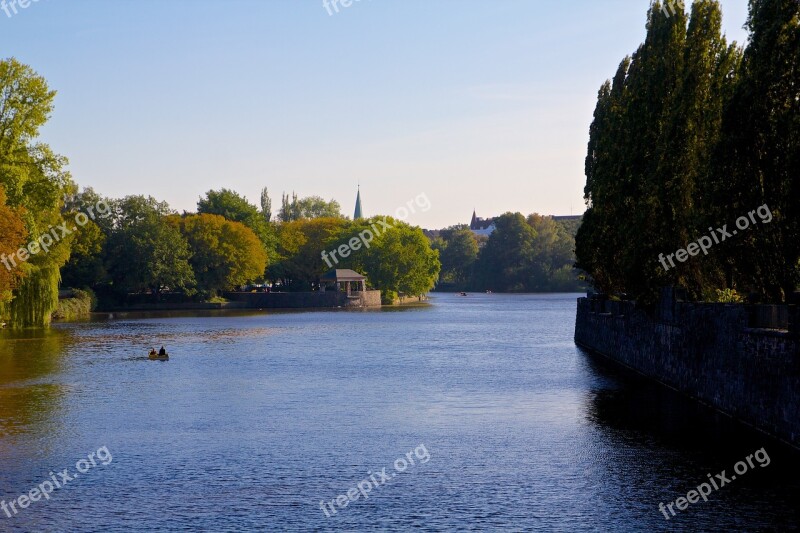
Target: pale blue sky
column 483, row 104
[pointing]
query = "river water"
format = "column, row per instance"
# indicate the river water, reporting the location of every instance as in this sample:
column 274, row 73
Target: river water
column 472, row 413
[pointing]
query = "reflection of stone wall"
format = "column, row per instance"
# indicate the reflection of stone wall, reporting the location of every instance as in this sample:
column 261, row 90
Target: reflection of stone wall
column 708, row 351
column 304, row 300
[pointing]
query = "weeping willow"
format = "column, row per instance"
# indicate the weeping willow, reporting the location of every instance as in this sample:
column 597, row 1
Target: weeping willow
column 34, row 300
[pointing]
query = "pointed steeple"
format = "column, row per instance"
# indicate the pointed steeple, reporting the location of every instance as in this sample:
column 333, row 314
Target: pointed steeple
column 358, row 214
column 474, row 222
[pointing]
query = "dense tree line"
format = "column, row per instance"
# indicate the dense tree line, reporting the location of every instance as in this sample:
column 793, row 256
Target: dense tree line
column 690, row 134
column 139, row 245
column 533, row 254
column 394, row 256
column 143, row 246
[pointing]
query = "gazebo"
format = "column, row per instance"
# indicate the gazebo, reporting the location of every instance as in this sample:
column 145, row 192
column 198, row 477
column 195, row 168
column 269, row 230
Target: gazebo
column 342, row 279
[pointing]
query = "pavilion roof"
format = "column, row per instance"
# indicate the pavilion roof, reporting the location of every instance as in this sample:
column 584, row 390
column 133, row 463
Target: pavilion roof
column 342, row 274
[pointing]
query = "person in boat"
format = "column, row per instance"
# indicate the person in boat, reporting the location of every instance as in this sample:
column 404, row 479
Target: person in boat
column 162, row 351
column 153, row 351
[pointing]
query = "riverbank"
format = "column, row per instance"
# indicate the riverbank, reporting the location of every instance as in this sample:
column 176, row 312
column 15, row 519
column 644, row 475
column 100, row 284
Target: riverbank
column 74, row 305
column 274, row 300
column 719, row 354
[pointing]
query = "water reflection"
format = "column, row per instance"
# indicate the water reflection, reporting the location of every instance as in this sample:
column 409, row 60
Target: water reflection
column 637, row 417
column 29, row 398
column 258, row 416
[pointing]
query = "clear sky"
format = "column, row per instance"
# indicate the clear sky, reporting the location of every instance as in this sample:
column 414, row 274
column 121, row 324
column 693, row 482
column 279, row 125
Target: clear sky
column 482, row 104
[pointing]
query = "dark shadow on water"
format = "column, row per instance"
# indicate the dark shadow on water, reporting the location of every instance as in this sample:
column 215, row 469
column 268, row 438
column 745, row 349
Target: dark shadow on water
column 672, row 442
column 628, row 401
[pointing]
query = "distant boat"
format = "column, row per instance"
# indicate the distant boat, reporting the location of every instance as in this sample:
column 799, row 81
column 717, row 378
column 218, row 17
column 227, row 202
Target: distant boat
column 463, row 294
column 157, row 357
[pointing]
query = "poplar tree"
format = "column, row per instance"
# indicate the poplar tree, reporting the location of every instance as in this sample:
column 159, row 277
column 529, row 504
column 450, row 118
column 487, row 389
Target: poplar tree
column 759, row 153
column 693, row 128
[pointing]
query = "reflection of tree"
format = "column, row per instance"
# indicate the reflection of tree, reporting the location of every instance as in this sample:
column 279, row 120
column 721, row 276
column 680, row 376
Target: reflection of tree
column 27, row 396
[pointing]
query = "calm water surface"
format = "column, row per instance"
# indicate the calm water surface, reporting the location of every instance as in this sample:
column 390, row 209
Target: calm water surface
column 258, row 417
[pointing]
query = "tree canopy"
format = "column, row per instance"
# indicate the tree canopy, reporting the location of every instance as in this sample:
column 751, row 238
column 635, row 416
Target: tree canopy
column 224, row 253
column 12, row 237
column 146, row 252
column 232, row 206
column 691, row 134
column 34, row 179
column 309, row 207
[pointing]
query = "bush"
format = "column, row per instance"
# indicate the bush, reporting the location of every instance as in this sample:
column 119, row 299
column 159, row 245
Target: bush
column 79, row 306
column 728, row 296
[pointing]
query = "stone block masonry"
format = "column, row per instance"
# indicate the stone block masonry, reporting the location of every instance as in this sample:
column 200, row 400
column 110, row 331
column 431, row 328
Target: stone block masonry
column 707, row 351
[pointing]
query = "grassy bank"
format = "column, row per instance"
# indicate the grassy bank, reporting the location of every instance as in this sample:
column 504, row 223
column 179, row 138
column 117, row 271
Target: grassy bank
column 76, row 307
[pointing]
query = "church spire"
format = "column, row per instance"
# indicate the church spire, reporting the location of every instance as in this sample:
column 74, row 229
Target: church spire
column 358, row 214
column 474, row 222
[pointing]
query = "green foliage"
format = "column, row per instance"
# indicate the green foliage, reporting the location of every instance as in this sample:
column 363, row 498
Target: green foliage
column 147, row 253
column 34, row 179
column 552, row 256
column 310, row 207
column 85, row 267
column 224, row 254
column 570, row 225
column 522, row 255
column 458, row 252
column 400, row 260
column 301, row 243
column 389, row 297
column 236, row 208
column 691, row 134
column 35, row 299
column 79, row 306
column 728, row 296
column 757, row 160
column 504, row 263
column 266, row 205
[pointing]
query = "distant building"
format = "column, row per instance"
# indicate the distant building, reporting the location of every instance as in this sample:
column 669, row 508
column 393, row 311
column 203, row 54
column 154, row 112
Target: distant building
column 358, row 214
column 486, row 226
column 481, row 226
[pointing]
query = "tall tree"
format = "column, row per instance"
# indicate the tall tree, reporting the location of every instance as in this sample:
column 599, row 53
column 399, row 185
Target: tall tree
column 759, row 153
column 504, row 264
column 600, row 237
column 458, row 254
column 34, row 178
column 266, row 205
column 651, row 186
column 400, row 261
column 652, row 86
column 692, row 130
column 552, row 255
column 146, row 252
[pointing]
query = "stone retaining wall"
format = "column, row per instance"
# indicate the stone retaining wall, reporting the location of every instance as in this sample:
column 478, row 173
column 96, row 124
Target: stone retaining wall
column 708, row 351
column 304, row 300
